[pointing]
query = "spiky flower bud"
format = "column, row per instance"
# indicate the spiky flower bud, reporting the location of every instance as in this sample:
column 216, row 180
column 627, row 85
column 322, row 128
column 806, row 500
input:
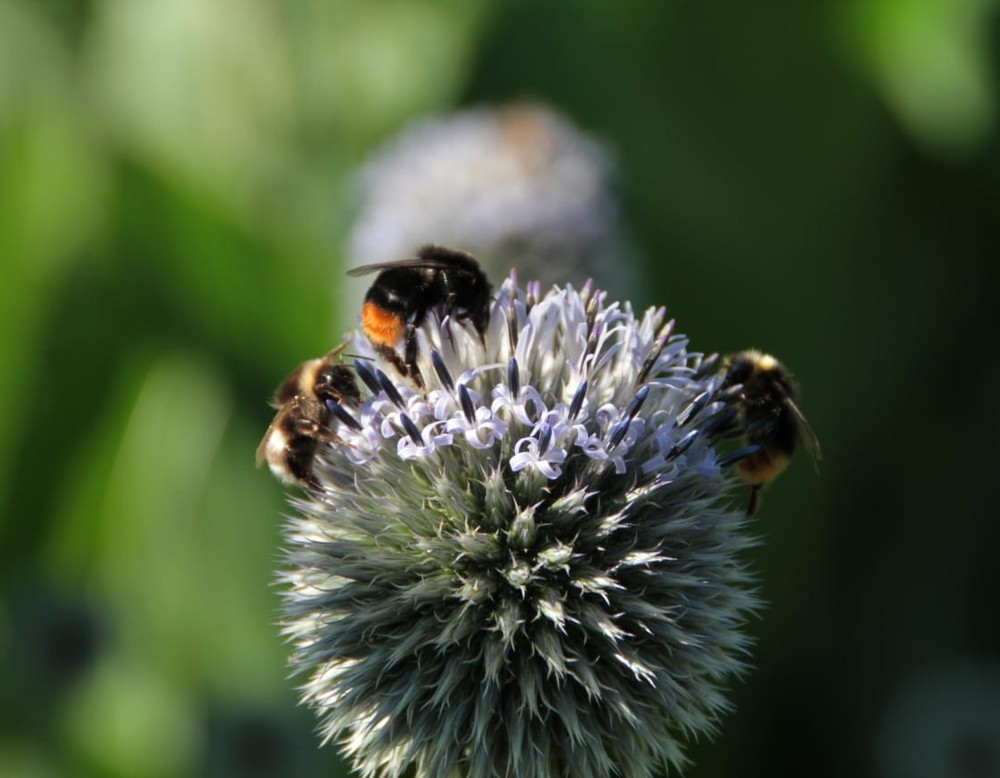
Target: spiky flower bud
column 527, row 568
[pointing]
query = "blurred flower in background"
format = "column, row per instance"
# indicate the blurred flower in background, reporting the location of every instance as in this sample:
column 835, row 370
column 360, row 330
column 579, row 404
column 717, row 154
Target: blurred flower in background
column 517, row 186
column 529, row 569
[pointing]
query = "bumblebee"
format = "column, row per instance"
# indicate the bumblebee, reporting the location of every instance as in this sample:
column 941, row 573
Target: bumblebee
column 302, row 422
column 767, row 417
column 444, row 280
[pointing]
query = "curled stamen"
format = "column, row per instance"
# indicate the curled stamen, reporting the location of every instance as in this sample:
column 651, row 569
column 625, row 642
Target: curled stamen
column 593, row 341
column 512, row 328
column 654, row 354
column 708, row 367
column 341, row 413
column 618, row 432
column 442, row 371
column 411, row 429
column 468, row 407
column 366, row 375
column 577, row 403
column 592, row 307
column 636, row 404
column 531, row 292
column 513, row 378
column 692, row 409
column 390, row 389
column 683, row 444
column 544, row 439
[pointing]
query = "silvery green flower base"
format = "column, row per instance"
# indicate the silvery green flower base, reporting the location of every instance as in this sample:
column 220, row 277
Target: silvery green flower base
column 531, row 568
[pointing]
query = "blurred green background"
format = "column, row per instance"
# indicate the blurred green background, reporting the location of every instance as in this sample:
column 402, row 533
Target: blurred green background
column 821, row 180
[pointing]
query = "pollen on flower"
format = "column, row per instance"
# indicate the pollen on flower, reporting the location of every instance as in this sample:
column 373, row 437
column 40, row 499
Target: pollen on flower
column 526, row 567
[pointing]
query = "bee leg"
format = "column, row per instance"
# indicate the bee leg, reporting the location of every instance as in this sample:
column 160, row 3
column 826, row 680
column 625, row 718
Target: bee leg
column 300, row 462
column 310, row 482
column 754, row 502
column 390, row 356
column 345, row 392
column 307, row 428
column 410, row 356
column 333, row 438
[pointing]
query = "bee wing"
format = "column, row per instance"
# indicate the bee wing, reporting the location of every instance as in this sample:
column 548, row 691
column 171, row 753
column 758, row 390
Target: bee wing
column 364, row 270
column 285, row 408
column 262, row 446
column 806, row 432
column 437, row 257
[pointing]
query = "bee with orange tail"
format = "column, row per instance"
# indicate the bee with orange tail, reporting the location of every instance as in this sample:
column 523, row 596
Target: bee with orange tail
column 307, row 401
column 767, row 417
column 444, row 280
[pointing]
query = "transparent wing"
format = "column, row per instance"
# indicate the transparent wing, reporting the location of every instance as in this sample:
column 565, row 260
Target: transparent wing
column 438, row 257
column 806, row 432
column 364, row 270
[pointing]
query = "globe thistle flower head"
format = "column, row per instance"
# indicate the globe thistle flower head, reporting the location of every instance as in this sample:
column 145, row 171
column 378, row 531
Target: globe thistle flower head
column 528, row 567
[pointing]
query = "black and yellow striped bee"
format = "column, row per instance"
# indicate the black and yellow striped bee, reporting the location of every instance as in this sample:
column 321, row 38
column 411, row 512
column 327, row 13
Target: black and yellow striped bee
column 767, row 417
column 305, row 402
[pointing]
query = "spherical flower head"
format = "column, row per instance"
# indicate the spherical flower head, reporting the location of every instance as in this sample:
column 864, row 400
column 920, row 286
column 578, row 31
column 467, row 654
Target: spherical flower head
column 528, row 567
